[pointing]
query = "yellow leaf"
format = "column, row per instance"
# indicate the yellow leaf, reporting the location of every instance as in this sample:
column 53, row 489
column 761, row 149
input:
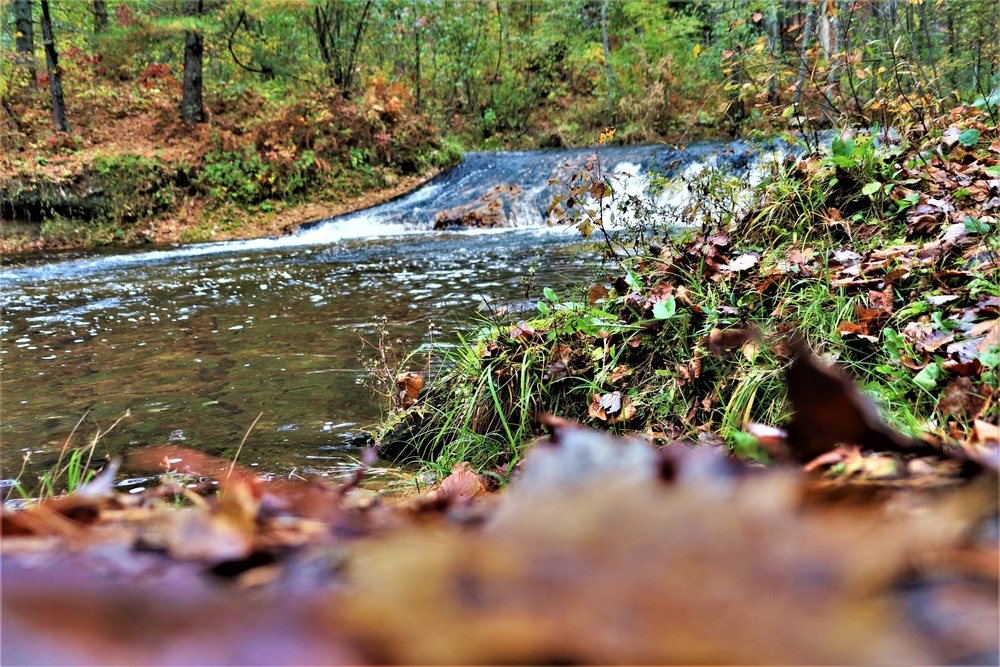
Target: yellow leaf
column 696, row 50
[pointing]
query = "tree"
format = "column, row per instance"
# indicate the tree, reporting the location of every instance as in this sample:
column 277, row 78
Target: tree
column 100, row 16
column 607, row 58
column 338, row 28
column 244, row 20
column 25, row 42
column 55, row 78
column 192, row 109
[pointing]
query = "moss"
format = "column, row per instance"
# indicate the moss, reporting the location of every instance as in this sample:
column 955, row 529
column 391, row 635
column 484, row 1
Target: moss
column 118, row 189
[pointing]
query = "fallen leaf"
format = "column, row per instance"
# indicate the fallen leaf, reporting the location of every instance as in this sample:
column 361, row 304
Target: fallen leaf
column 850, row 330
column 624, row 415
column 546, row 577
column 612, row 402
column 522, row 332
column 745, row 261
column 408, row 386
column 961, row 398
column 461, row 486
column 722, row 340
column 829, row 410
column 596, row 293
column 595, row 410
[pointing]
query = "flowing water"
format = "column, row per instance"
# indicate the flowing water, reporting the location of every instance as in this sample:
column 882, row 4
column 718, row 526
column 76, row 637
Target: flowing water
column 197, row 340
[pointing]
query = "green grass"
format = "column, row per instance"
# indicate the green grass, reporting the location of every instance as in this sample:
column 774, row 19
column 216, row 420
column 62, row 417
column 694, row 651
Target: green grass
column 65, row 478
column 483, row 408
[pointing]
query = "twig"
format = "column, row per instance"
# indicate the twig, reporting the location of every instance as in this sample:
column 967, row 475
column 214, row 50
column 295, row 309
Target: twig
column 69, row 438
column 240, row 448
column 99, row 435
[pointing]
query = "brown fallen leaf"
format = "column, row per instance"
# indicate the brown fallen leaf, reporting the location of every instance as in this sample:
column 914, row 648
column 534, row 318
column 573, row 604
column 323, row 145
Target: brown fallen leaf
column 461, row 486
column 635, row 571
column 408, row 386
column 596, row 293
column 774, row 440
column 722, row 340
column 850, row 330
column 985, row 433
column 63, row 515
column 829, row 410
column 522, row 332
column 962, row 399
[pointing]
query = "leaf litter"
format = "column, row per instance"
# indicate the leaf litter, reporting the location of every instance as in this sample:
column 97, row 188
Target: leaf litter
column 603, row 549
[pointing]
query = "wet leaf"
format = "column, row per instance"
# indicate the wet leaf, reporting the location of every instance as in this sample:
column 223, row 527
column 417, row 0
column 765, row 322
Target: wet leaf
column 462, row 485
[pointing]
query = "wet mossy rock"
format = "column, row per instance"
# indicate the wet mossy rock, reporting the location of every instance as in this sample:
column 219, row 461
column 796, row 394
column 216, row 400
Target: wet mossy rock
column 119, row 188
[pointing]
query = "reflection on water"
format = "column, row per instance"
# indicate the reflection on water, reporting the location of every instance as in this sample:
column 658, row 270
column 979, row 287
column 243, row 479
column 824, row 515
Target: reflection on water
column 197, row 345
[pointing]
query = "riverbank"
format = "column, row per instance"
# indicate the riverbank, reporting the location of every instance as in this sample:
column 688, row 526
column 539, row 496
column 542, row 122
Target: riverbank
column 194, row 222
column 880, row 256
column 131, row 172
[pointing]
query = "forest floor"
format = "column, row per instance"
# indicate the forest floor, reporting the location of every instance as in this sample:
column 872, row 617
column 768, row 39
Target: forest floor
column 130, row 172
column 601, row 550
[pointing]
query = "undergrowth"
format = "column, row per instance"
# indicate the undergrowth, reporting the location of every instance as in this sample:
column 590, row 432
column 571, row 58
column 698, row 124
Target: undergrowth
column 853, row 247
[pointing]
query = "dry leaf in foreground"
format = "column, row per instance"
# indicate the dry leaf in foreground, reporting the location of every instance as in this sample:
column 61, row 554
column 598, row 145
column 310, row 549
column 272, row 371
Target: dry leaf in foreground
column 727, row 570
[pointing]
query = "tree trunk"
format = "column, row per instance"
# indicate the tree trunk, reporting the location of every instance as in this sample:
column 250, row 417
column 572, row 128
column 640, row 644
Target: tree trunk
column 416, row 46
column 774, row 45
column 192, row 110
column 55, row 79
column 100, row 16
column 25, row 41
column 607, row 59
column 804, row 62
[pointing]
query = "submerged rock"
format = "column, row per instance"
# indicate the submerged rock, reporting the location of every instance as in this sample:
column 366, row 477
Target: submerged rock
column 488, row 212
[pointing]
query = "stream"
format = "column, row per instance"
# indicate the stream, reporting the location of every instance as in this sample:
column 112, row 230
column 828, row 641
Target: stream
column 197, row 340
